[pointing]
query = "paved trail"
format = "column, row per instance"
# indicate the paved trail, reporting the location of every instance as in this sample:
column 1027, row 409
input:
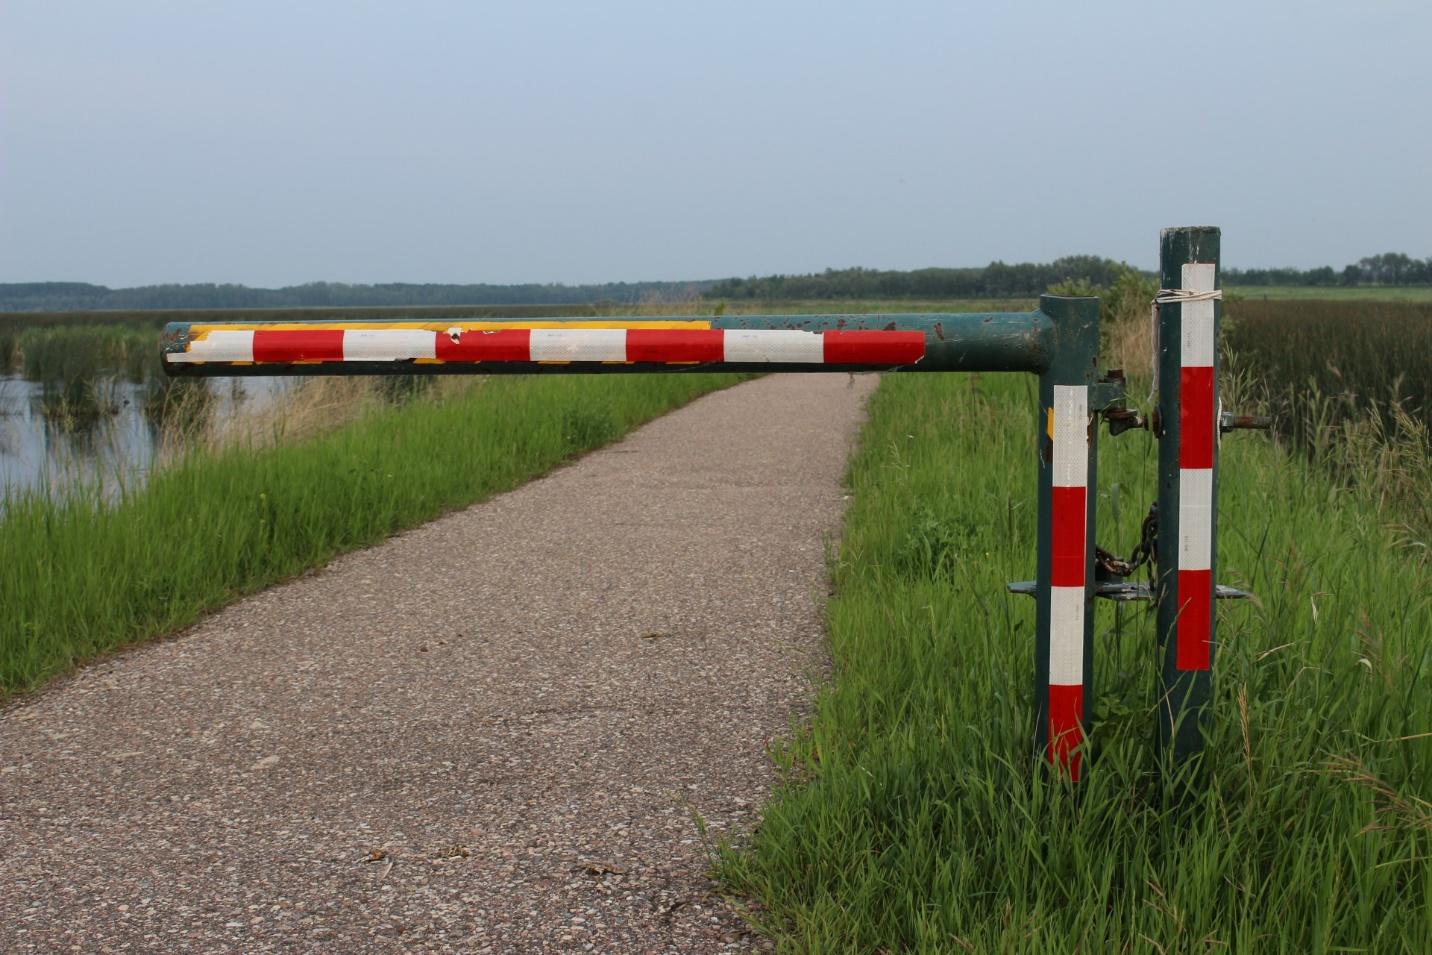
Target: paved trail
column 490, row 733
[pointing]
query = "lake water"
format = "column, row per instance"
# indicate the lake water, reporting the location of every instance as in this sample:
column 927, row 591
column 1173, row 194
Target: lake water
column 117, row 447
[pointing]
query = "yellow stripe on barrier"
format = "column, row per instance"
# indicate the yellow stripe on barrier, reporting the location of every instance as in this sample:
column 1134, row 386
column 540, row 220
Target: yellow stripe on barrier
column 197, row 331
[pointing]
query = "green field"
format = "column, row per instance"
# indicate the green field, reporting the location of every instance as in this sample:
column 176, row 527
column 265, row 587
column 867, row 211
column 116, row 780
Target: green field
column 1330, row 293
column 914, row 816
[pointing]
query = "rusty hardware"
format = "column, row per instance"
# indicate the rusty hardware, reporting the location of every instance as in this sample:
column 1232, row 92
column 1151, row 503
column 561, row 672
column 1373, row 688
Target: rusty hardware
column 1123, row 419
column 1228, row 421
column 1119, row 416
column 1143, row 553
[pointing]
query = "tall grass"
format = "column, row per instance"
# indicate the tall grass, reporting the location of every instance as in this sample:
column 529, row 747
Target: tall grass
column 1349, row 385
column 914, row 817
column 1373, row 354
column 83, row 576
column 73, row 352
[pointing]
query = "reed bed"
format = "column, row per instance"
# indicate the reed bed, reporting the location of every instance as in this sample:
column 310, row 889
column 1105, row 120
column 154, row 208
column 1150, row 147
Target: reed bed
column 1349, row 384
column 72, row 352
column 1369, row 355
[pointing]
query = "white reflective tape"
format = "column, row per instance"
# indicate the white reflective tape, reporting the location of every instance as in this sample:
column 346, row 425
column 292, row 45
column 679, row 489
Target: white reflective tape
column 1197, row 276
column 578, row 344
column 773, row 345
column 1195, row 519
column 1071, row 436
column 217, row 346
column 388, row 344
column 1196, row 318
column 1066, row 635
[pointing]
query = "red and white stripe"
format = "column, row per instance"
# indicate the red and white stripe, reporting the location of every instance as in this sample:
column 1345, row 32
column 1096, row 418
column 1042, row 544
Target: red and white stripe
column 563, row 345
column 1069, row 558
column 1198, row 428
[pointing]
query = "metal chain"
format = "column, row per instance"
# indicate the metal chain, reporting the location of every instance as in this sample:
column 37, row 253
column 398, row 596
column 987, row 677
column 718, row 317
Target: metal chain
column 1143, row 553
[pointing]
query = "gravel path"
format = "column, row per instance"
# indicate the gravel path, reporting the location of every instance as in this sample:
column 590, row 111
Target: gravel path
column 492, row 733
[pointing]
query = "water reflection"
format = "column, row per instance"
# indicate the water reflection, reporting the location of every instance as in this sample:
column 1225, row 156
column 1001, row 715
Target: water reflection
column 110, row 431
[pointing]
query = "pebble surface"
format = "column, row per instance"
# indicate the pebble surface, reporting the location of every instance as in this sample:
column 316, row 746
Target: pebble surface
column 493, row 733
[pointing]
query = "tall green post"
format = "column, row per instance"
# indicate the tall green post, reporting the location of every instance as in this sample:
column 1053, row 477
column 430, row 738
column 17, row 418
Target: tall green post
column 1187, row 367
column 1064, row 578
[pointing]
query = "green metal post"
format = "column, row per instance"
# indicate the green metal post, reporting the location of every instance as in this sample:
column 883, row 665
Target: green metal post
column 1188, row 428
column 1064, row 579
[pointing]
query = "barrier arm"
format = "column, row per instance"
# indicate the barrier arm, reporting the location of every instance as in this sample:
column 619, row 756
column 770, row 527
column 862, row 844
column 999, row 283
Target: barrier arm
column 1058, row 342
column 977, row 341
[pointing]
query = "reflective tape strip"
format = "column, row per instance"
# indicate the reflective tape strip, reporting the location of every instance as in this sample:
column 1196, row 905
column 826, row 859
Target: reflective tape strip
column 1195, row 417
column 1195, row 620
column 1068, row 535
column 1196, row 318
column 1066, row 635
column 308, row 345
column 388, row 344
column 1071, row 436
column 461, row 345
column 774, row 346
column 1195, row 518
column 1069, row 559
column 218, row 346
column 584, row 344
column 1198, row 432
column 653, row 343
column 1066, row 728
column 873, row 347
column 1068, row 553
column 674, row 347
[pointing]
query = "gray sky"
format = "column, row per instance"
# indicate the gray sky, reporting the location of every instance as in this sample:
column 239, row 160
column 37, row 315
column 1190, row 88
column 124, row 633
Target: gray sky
column 280, row 142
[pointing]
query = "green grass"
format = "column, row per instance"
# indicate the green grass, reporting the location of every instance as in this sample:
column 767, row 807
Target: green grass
column 81, row 579
column 913, row 816
column 1329, row 293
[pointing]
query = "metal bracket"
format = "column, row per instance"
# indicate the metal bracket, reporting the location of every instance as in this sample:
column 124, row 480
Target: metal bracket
column 1107, row 398
column 1228, row 421
column 1126, row 590
column 1108, row 392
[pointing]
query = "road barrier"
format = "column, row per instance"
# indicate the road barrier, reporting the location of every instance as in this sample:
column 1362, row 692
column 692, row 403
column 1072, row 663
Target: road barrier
column 1059, row 342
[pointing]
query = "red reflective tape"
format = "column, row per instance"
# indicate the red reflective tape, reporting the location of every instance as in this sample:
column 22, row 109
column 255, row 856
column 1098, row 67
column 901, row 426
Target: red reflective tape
column 1195, row 620
column 1195, row 417
column 873, row 348
column 506, row 344
column 1067, row 551
column 1066, row 727
column 288, row 345
column 666, row 346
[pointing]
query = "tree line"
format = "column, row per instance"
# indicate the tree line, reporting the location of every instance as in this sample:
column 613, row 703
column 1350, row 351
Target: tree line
column 1389, row 268
column 82, row 296
column 996, row 280
column 1026, row 279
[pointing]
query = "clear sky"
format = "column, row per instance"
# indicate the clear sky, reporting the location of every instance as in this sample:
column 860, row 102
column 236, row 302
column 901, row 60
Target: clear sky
column 433, row 140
